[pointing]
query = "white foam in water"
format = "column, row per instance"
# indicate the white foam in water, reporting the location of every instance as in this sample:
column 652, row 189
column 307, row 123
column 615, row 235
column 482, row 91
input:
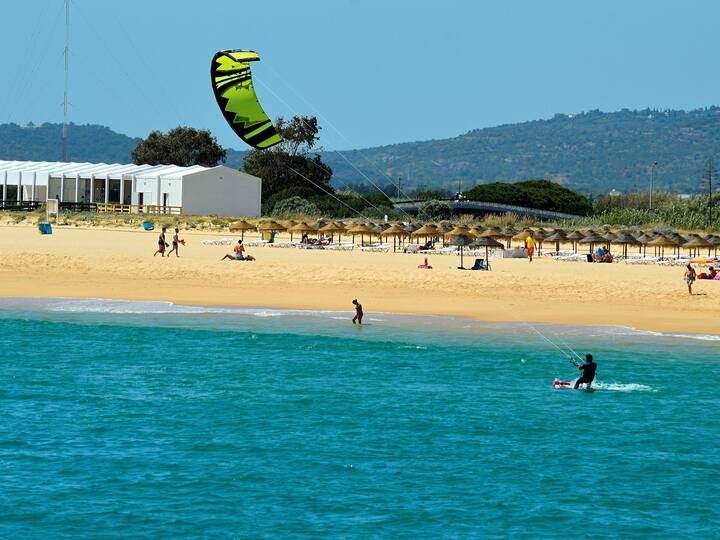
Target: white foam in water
column 618, row 387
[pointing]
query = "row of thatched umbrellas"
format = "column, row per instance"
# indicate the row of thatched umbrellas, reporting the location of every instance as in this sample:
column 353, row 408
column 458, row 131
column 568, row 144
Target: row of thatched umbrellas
column 477, row 236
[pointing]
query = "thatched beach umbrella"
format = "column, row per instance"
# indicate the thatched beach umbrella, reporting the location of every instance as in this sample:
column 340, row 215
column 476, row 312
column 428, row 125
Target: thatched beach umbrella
column 625, row 239
column 522, row 235
column 508, row 233
column 643, row 239
column 397, row 232
column 714, row 242
column 487, row 242
column 493, row 232
column 460, row 229
column 695, row 244
column 558, row 236
column 301, row 228
column 661, row 242
column 476, row 232
column 362, row 229
column 461, row 240
column 332, row 228
column 270, row 227
column 428, row 230
column 592, row 239
column 574, row 237
column 242, row 226
column 319, row 224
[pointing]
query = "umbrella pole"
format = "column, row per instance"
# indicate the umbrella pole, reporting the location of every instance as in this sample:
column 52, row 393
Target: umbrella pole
column 487, row 258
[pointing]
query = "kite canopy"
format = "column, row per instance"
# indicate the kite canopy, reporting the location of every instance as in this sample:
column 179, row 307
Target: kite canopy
column 235, row 94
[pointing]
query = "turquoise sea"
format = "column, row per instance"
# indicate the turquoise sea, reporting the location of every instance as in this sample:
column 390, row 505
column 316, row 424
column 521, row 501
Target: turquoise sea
column 149, row 420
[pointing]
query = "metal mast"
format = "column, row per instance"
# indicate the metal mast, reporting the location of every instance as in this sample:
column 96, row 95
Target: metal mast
column 67, row 64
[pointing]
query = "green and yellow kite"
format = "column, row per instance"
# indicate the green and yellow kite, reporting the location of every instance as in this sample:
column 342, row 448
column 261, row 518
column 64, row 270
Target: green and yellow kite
column 235, row 94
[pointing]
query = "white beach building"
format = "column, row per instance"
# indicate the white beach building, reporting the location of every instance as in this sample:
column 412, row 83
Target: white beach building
column 134, row 188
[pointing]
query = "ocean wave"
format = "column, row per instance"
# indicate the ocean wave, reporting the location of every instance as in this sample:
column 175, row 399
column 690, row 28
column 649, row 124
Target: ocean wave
column 435, row 322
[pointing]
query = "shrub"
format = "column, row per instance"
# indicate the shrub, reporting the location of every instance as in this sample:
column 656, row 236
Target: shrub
column 294, row 206
column 433, row 210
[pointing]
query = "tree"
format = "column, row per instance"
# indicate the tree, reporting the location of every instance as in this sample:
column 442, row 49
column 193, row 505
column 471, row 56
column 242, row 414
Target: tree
column 541, row 194
column 295, row 206
column 708, row 183
column 183, row 146
column 291, row 164
column 431, row 210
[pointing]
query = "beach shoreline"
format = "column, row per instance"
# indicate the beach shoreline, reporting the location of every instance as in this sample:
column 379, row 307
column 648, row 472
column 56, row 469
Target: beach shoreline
column 118, row 265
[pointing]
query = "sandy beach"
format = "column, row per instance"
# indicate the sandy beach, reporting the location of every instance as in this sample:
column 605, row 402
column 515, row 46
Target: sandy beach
column 119, row 264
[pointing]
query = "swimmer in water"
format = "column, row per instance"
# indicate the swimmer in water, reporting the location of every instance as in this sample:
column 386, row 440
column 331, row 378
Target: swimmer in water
column 358, row 312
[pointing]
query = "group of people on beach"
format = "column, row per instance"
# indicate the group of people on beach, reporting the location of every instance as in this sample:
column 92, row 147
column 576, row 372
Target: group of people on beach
column 163, row 245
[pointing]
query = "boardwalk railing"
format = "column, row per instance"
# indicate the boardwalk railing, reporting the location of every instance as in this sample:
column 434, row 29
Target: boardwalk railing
column 139, row 208
column 20, row 206
column 487, row 208
column 154, row 209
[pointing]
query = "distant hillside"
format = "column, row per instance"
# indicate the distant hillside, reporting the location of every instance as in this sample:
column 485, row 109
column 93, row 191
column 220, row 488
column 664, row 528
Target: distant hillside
column 85, row 143
column 593, row 152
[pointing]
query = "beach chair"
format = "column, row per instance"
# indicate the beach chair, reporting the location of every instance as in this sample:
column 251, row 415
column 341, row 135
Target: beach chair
column 480, row 265
column 217, row 242
column 256, row 243
column 376, row 247
column 341, row 246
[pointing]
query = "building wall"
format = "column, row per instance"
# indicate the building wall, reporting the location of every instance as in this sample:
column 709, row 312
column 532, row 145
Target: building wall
column 148, row 186
column 221, row 191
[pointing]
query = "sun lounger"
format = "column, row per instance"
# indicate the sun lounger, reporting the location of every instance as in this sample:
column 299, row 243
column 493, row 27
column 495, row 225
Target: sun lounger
column 480, row 265
column 341, row 246
column 376, row 247
column 256, row 243
column 441, row 251
column 573, row 257
column 284, row 244
column 217, row 242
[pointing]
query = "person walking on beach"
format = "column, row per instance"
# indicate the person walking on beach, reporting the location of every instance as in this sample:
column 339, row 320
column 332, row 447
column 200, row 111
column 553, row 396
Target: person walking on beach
column 175, row 242
column 530, row 246
column 588, row 372
column 690, row 277
column 161, row 243
column 358, row 312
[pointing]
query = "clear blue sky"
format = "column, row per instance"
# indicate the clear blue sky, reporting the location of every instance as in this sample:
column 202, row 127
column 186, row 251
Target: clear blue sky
column 376, row 72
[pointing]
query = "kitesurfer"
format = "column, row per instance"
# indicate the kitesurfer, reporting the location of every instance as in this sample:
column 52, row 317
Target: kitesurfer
column 588, row 372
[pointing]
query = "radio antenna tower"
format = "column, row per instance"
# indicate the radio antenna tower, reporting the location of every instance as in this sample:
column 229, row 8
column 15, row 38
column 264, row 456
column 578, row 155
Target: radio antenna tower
column 65, row 98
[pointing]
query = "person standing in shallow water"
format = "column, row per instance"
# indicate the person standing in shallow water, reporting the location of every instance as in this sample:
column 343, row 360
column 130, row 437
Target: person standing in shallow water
column 690, row 277
column 358, row 312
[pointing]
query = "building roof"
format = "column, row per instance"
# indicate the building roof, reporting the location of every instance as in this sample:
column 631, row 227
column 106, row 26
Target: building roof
column 86, row 170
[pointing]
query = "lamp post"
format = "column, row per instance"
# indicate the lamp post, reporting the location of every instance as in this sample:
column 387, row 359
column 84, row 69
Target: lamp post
column 652, row 181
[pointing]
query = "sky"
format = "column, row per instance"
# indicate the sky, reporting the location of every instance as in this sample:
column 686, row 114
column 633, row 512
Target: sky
column 373, row 72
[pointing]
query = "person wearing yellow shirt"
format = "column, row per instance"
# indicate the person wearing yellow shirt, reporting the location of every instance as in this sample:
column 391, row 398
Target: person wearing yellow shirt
column 530, row 246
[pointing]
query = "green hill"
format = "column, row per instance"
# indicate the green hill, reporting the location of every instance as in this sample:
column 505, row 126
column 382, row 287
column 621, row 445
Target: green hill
column 592, row 152
column 42, row 142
